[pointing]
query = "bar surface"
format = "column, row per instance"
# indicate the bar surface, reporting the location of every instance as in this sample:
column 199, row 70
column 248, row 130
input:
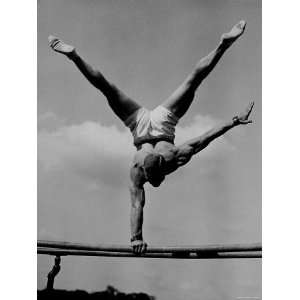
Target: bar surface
column 176, row 255
column 151, row 249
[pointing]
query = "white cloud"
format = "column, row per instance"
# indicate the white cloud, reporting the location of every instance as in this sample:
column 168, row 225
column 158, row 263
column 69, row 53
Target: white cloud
column 49, row 120
column 89, row 149
column 102, row 154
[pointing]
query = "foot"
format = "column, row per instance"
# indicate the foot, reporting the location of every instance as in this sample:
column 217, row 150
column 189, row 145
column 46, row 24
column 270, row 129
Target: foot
column 243, row 117
column 60, row 47
column 228, row 38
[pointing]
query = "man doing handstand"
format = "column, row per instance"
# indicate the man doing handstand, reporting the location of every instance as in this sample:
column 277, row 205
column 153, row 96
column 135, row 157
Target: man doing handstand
column 154, row 131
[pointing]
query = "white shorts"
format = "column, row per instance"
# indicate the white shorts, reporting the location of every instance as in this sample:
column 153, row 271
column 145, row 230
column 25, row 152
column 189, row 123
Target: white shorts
column 150, row 126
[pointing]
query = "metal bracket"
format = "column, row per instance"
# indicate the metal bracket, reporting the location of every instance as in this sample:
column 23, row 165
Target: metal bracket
column 51, row 275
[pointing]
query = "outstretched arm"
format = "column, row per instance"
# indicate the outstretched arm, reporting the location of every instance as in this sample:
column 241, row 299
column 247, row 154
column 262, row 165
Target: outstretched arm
column 137, row 194
column 191, row 147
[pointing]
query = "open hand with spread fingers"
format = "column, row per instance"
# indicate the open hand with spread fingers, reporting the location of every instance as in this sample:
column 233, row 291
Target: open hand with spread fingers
column 243, row 117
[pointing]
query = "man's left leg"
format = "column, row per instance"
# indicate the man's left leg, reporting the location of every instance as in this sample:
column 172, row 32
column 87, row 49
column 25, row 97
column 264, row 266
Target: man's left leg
column 179, row 102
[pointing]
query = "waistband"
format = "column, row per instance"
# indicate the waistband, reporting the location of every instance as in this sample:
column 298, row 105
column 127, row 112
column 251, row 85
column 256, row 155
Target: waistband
column 139, row 141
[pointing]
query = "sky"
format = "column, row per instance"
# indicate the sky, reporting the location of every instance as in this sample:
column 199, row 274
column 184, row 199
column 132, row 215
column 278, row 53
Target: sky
column 147, row 48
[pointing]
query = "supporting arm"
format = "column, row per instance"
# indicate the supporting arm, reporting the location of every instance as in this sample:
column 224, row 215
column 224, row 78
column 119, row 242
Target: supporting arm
column 137, row 194
column 136, row 213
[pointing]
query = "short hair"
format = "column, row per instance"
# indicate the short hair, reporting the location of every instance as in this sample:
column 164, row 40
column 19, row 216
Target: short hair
column 153, row 164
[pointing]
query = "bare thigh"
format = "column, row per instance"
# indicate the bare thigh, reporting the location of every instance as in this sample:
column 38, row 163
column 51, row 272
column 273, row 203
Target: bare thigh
column 181, row 99
column 122, row 105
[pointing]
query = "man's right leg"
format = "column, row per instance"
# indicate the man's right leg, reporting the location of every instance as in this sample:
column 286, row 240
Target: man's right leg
column 179, row 102
column 122, row 105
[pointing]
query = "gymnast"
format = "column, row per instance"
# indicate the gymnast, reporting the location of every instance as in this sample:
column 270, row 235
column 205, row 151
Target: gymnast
column 154, row 131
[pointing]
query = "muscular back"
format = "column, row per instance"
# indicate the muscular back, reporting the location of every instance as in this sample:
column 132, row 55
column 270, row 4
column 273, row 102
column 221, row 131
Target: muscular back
column 174, row 158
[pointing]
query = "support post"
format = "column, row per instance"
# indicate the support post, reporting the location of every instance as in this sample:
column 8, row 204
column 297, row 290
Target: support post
column 51, row 275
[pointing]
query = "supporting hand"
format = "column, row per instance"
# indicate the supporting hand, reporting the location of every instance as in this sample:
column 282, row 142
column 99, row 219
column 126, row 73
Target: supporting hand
column 243, row 117
column 138, row 246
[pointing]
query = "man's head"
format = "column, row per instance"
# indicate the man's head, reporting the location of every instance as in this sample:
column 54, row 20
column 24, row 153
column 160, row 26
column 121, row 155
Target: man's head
column 154, row 169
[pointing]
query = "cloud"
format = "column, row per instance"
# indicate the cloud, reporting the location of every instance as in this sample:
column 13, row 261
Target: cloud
column 91, row 150
column 102, row 154
column 49, row 120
